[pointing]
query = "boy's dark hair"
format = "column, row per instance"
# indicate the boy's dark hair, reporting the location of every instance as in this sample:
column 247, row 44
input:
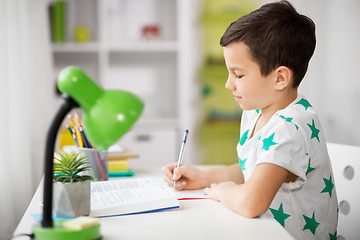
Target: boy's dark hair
column 277, row 35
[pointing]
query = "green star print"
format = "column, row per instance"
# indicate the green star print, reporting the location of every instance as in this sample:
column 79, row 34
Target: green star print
column 314, row 131
column 304, row 102
column 242, row 164
column 244, row 137
column 311, row 223
column 268, row 142
column 289, row 119
column 333, row 236
column 328, row 186
column 309, row 169
column 279, row 215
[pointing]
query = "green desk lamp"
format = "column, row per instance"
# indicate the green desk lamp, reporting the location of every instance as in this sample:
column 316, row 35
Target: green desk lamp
column 108, row 114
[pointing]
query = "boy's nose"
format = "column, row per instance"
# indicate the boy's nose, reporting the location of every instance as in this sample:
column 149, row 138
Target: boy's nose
column 229, row 84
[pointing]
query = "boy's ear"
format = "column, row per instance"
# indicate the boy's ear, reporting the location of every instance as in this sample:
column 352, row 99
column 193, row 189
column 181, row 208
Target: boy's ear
column 283, row 77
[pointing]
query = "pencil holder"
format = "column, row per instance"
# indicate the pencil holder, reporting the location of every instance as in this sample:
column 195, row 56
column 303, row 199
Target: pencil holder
column 98, row 163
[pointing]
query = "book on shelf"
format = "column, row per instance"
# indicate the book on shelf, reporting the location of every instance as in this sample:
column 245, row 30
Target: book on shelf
column 130, row 196
column 122, row 153
column 118, row 161
column 121, row 174
column 57, row 18
column 120, row 165
column 119, row 168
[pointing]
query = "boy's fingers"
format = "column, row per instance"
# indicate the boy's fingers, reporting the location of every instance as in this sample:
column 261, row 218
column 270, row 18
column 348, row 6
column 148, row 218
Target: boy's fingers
column 169, row 175
column 180, row 185
column 181, row 171
column 168, row 180
column 164, row 169
column 174, row 173
column 168, row 169
column 177, row 174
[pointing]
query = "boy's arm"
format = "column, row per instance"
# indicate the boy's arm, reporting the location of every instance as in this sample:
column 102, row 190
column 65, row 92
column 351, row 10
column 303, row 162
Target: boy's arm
column 231, row 173
column 189, row 177
column 254, row 197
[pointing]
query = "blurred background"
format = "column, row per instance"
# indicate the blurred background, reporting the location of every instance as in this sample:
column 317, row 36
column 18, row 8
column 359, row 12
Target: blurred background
column 168, row 53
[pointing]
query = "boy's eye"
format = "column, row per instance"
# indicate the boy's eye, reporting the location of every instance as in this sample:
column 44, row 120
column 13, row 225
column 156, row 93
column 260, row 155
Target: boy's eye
column 238, row 76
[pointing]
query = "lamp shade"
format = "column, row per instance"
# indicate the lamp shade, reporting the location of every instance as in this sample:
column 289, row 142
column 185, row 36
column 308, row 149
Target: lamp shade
column 108, row 114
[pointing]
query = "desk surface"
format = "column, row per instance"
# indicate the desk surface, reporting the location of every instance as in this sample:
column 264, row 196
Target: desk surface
column 196, row 219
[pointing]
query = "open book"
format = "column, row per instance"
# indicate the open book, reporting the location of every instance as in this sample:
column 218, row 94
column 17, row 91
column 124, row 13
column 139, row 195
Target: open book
column 130, row 196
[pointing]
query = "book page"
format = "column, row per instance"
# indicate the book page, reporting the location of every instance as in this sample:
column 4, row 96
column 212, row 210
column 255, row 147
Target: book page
column 130, row 196
column 112, row 193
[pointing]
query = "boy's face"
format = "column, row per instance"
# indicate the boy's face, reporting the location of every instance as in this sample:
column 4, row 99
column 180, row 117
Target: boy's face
column 250, row 89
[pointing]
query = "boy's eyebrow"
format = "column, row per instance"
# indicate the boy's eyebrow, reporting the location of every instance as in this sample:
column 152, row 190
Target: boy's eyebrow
column 235, row 68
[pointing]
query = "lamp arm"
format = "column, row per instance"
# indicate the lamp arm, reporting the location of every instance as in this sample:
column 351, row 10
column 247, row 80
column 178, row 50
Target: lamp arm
column 65, row 108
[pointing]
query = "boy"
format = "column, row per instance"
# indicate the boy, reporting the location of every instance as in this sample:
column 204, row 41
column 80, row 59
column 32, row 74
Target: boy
column 284, row 168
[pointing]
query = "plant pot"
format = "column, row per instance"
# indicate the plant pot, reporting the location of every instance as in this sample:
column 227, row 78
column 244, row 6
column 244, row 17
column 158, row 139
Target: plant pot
column 71, row 199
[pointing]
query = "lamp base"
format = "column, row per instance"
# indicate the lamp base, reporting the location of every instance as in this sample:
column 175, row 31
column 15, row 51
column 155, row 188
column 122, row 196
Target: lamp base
column 58, row 232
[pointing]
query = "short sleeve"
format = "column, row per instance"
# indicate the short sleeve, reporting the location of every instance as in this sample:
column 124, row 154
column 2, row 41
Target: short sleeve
column 282, row 143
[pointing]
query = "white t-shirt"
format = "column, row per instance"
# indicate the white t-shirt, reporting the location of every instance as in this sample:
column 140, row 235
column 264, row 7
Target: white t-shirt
column 293, row 139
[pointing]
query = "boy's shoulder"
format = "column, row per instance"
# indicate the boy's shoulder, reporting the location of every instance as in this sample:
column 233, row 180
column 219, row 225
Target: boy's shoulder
column 296, row 121
column 299, row 112
column 299, row 121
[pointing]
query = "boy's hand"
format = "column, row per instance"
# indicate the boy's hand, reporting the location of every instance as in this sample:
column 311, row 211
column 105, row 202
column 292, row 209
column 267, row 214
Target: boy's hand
column 216, row 190
column 186, row 177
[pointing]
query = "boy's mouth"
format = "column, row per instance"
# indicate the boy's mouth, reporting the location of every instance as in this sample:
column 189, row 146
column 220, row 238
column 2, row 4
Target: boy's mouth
column 237, row 98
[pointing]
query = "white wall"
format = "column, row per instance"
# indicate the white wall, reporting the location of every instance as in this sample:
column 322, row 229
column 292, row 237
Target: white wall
column 332, row 83
column 27, row 105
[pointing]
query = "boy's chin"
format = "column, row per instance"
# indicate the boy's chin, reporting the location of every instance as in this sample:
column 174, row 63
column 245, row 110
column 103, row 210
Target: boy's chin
column 246, row 108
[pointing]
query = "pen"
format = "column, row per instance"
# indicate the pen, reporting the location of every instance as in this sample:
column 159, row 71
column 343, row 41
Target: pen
column 181, row 154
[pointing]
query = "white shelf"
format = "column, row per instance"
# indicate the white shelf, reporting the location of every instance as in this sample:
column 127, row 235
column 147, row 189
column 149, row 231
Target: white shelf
column 159, row 70
column 76, row 47
column 144, row 46
column 149, row 46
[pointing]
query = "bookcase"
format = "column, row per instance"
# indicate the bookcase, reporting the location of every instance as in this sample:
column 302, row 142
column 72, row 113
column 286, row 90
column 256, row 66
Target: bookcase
column 145, row 47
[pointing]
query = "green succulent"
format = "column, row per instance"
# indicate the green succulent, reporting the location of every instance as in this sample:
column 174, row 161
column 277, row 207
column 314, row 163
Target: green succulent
column 67, row 167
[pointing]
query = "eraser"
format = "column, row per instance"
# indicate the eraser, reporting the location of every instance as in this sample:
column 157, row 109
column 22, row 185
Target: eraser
column 80, row 223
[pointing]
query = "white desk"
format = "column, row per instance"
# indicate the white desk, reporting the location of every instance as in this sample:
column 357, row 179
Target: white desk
column 196, row 219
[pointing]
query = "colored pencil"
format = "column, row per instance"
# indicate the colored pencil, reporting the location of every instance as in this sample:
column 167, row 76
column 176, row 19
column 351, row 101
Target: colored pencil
column 100, row 165
column 79, row 138
column 74, row 137
column 72, row 121
column 69, row 128
column 86, row 143
column 81, row 135
column 78, row 120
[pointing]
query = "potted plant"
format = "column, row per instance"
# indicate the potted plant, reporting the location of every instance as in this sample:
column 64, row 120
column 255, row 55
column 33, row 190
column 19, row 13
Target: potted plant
column 71, row 185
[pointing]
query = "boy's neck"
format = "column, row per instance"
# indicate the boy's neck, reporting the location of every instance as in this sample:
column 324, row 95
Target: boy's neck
column 282, row 102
